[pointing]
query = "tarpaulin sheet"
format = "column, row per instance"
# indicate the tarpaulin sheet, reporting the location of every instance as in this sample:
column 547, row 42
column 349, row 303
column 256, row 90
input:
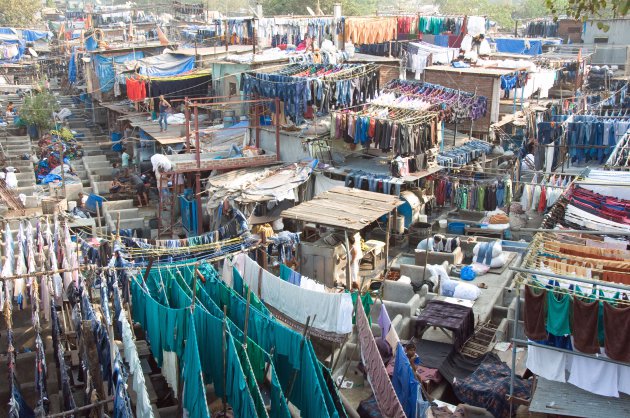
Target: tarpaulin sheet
column 91, row 44
column 441, row 40
column 166, row 65
column 105, row 69
column 7, row 31
column 518, row 46
column 13, row 39
column 31, row 35
column 72, row 69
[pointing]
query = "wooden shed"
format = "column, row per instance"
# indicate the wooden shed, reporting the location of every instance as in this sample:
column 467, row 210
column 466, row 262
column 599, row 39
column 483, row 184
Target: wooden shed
column 481, row 81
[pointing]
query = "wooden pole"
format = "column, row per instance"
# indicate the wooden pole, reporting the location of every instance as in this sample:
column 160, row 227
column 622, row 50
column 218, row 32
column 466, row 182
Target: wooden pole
column 387, row 237
column 118, row 227
column 304, row 334
column 224, row 400
column 347, row 244
column 63, row 170
column 98, row 216
column 271, row 353
column 148, row 269
column 80, row 409
column 354, row 312
column 194, row 288
column 245, row 326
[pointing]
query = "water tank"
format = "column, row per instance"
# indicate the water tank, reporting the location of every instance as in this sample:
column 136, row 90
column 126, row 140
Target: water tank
column 410, row 209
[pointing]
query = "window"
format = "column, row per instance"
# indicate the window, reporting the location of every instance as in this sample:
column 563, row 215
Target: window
column 600, row 40
column 232, row 89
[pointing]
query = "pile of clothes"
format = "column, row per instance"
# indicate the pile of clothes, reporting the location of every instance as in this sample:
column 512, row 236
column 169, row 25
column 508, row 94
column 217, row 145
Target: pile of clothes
column 599, row 77
column 50, row 156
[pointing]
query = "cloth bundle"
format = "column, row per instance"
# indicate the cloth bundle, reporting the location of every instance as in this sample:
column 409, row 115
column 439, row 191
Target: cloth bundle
column 489, row 253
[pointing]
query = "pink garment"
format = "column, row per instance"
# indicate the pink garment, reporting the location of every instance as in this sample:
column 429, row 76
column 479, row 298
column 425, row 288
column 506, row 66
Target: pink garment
column 382, row 387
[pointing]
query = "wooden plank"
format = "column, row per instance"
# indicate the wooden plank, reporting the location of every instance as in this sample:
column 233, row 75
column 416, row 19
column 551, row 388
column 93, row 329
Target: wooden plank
column 363, row 194
column 359, row 210
column 325, row 214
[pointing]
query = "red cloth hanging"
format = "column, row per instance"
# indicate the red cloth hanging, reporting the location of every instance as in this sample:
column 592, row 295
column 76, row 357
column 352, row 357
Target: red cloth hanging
column 136, row 90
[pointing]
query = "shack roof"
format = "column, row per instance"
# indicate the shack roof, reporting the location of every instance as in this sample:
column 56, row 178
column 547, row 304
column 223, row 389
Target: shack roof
column 344, row 208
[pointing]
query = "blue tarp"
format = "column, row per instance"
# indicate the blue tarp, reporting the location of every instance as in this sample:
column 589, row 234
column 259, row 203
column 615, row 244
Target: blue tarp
column 12, row 39
column 30, row 35
column 91, row 44
column 166, row 65
column 518, row 46
column 552, row 41
column 105, row 69
column 8, row 31
column 72, row 69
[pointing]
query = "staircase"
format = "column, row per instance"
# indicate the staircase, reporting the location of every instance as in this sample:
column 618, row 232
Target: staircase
column 8, row 196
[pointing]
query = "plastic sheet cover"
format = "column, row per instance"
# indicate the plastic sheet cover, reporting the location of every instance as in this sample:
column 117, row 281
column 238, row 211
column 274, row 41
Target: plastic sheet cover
column 166, row 65
column 104, row 68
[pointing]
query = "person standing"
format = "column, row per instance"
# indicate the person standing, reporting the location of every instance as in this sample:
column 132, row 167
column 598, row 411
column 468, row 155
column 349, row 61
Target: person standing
column 164, row 106
column 124, row 157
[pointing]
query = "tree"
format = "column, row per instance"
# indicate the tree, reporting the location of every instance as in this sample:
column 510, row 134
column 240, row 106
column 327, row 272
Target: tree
column 18, row 12
column 38, row 110
column 589, row 9
column 499, row 12
column 350, row 7
column 532, row 9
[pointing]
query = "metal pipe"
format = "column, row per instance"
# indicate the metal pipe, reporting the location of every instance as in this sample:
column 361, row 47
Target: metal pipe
column 277, row 104
column 571, row 231
column 514, row 335
column 573, row 278
column 516, row 341
column 387, row 239
column 79, row 409
column 197, row 150
column 602, row 184
column 187, row 115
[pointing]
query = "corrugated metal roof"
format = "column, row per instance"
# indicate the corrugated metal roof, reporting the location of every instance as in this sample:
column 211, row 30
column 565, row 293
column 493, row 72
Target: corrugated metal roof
column 568, row 400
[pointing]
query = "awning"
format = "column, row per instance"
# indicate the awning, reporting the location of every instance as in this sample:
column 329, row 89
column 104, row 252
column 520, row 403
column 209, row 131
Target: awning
column 259, row 184
column 344, row 208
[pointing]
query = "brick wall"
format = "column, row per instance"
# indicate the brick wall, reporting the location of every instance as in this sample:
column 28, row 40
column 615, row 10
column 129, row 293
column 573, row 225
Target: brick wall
column 570, row 29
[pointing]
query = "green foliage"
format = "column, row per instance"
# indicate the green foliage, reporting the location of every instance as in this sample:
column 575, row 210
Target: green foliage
column 297, row 7
column 18, row 12
column 587, row 9
column 38, row 110
column 64, row 133
column 499, row 12
column 532, row 9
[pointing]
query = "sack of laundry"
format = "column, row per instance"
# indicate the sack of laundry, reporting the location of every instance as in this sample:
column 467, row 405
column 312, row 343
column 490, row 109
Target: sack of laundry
column 489, row 253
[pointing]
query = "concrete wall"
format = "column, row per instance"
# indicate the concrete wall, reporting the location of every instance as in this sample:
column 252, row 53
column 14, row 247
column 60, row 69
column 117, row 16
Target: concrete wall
column 611, row 55
column 617, row 34
column 291, row 148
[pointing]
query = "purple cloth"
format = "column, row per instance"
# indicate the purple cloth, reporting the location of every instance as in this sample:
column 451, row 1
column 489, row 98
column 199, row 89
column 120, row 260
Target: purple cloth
column 382, row 387
column 384, row 322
